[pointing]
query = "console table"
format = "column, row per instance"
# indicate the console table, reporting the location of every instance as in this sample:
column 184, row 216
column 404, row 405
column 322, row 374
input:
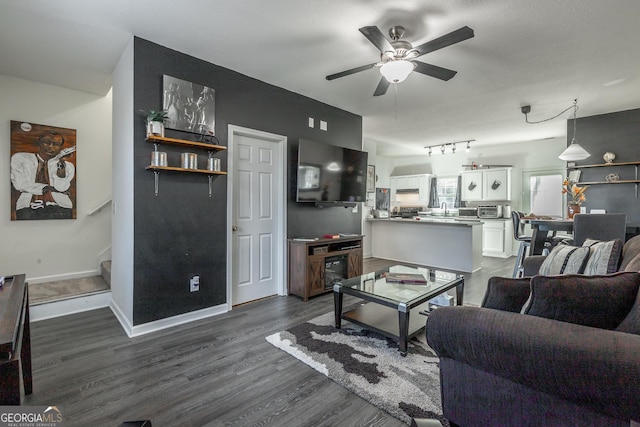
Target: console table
column 15, row 341
column 309, row 258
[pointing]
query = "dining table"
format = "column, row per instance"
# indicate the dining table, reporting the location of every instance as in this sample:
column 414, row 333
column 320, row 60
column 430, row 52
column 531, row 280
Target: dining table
column 541, row 228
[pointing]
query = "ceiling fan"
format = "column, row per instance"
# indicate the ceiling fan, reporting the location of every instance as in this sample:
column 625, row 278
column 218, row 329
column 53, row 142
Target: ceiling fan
column 398, row 57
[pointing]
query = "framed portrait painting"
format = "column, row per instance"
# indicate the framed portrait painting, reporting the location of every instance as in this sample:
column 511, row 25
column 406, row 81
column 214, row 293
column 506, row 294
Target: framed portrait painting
column 43, row 172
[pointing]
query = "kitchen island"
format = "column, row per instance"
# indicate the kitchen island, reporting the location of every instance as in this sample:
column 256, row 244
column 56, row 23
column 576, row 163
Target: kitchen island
column 444, row 243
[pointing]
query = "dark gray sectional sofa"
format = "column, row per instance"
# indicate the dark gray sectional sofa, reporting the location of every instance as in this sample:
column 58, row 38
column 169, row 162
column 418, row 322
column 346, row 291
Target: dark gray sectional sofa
column 544, row 351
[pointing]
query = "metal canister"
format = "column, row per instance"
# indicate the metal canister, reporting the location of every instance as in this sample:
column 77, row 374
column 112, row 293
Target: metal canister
column 213, row 164
column 189, row 160
column 158, row 158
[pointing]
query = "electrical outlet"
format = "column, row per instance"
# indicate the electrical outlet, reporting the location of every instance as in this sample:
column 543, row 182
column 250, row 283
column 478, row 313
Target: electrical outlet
column 194, row 284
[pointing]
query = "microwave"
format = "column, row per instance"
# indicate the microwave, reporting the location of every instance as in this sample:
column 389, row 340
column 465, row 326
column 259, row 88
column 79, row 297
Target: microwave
column 492, row 211
column 468, row 212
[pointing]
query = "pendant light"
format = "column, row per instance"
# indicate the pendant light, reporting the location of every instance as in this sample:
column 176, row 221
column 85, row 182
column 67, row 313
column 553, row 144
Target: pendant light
column 574, row 151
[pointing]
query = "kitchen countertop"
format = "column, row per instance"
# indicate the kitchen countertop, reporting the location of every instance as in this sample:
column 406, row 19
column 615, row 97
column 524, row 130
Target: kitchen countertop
column 462, row 222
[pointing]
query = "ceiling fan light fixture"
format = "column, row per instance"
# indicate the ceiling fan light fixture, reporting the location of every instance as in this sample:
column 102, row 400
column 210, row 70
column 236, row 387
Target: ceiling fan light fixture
column 396, row 71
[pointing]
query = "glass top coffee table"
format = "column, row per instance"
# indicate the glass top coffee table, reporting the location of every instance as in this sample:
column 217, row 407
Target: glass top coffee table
column 407, row 291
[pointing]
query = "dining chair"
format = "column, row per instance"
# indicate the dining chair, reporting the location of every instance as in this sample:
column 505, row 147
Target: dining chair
column 599, row 227
column 525, row 242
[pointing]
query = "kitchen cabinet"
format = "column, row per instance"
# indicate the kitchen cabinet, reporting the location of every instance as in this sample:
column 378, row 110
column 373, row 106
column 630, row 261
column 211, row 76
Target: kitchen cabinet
column 472, row 186
column 497, row 238
column 419, row 183
column 486, row 185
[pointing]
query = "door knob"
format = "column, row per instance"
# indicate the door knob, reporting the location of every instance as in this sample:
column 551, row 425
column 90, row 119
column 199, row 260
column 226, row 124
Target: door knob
column 234, row 228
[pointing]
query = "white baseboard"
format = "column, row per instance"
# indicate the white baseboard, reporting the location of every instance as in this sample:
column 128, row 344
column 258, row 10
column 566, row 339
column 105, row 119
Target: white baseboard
column 103, row 299
column 69, row 306
column 68, row 276
column 158, row 325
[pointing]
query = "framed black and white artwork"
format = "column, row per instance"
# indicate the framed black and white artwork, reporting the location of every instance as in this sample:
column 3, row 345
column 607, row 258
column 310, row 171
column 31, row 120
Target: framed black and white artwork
column 371, row 178
column 190, row 107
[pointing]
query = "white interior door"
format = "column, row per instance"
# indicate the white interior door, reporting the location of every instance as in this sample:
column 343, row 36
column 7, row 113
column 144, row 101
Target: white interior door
column 257, row 214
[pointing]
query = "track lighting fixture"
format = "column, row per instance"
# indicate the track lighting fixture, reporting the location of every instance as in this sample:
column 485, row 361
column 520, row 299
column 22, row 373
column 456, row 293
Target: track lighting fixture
column 443, row 147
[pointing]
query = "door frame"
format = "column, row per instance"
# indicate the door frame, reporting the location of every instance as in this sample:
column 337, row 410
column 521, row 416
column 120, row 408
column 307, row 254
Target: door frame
column 234, row 131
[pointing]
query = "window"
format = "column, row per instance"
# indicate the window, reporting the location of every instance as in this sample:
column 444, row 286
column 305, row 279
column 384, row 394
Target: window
column 447, row 188
column 546, row 195
column 542, row 192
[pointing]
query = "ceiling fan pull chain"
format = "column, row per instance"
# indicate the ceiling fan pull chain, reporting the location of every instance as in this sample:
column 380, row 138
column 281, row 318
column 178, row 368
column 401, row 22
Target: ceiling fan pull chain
column 395, row 99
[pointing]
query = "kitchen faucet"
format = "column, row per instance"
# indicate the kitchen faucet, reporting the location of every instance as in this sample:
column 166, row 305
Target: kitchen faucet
column 445, row 207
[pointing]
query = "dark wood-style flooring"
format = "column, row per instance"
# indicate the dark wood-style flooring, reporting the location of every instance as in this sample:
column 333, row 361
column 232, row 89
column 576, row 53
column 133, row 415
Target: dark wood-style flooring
column 214, row 372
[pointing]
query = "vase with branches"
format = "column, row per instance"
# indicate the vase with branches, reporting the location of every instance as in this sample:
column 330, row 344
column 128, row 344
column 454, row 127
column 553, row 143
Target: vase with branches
column 575, row 196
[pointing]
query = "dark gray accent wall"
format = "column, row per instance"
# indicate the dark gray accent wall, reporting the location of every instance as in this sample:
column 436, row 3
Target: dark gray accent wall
column 181, row 232
column 618, row 133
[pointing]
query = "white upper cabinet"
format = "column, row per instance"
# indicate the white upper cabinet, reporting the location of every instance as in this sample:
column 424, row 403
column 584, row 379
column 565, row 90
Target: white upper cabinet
column 419, row 183
column 486, row 185
column 472, row 183
column 497, row 184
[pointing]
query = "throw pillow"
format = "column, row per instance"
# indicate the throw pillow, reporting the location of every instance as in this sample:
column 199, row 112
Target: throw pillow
column 634, row 264
column 631, row 323
column 565, row 259
column 507, row 294
column 604, row 257
column 596, row 301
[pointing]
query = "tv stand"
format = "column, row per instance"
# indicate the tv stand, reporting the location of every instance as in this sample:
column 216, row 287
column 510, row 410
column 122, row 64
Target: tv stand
column 315, row 265
column 335, row 204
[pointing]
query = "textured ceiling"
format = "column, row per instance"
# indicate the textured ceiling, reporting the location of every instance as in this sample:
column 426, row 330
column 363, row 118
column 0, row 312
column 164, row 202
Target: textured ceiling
column 545, row 53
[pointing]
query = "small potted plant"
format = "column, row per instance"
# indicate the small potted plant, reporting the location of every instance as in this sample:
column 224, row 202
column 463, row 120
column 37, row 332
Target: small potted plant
column 155, row 122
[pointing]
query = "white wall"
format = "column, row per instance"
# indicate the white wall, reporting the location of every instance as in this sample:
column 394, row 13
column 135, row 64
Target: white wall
column 58, row 249
column 122, row 263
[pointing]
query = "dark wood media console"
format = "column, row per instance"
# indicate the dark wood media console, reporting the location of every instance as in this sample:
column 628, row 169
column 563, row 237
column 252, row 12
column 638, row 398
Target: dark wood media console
column 15, row 341
column 308, row 262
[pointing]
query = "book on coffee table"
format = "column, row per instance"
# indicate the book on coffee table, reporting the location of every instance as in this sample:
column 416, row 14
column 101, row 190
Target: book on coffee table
column 405, row 278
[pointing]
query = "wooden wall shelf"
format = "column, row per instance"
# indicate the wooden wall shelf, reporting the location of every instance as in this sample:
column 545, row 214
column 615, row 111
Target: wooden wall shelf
column 185, row 143
column 174, row 169
column 635, row 181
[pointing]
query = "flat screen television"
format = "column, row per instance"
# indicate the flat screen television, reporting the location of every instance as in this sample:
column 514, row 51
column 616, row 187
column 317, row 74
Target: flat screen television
column 330, row 174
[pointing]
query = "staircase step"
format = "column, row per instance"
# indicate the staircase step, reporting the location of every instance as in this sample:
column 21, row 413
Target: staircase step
column 105, row 267
column 42, row 293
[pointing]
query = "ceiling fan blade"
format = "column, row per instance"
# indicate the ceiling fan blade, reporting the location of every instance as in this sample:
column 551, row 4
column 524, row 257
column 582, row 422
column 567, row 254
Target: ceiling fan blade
column 351, row 71
column 382, row 87
column 453, row 37
column 434, row 71
column 376, row 37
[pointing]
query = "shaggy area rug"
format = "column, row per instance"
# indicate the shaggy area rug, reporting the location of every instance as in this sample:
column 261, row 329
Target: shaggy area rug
column 369, row 365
